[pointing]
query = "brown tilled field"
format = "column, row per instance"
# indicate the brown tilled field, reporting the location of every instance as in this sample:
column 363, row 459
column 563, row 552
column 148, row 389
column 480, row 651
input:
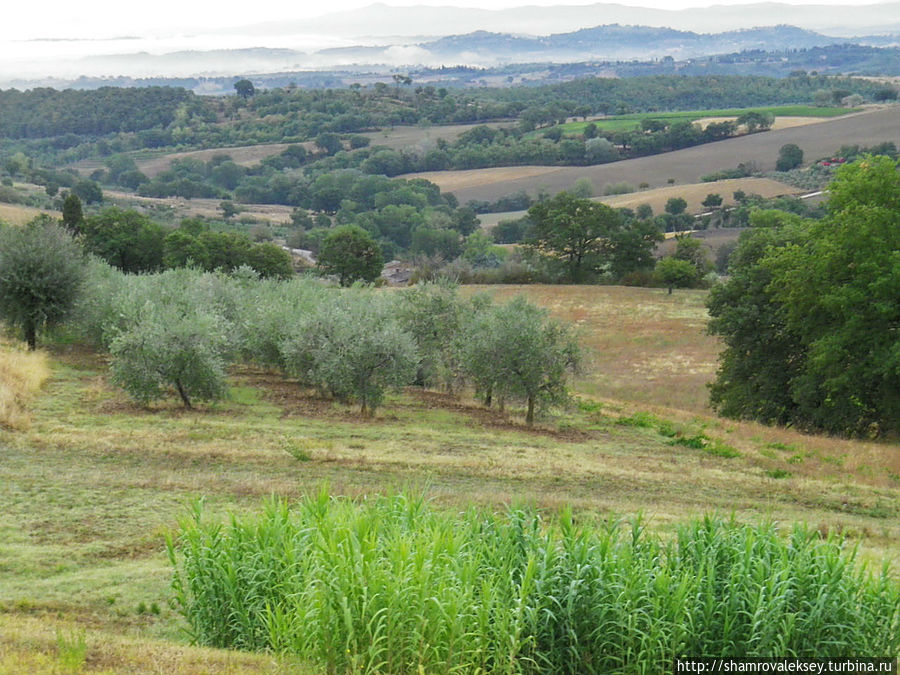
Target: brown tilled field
column 686, row 166
column 695, row 193
column 403, row 137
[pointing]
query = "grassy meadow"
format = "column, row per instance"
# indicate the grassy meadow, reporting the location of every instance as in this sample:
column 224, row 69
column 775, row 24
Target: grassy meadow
column 90, row 489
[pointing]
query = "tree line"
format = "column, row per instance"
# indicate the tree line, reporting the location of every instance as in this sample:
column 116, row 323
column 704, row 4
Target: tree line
column 810, row 312
column 176, row 332
column 65, row 126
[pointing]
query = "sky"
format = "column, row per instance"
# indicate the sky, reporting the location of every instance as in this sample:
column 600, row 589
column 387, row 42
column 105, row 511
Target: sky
column 66, row 39
column 92, row 19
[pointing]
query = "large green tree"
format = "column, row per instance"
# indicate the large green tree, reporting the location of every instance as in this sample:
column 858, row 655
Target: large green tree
column 840, row 291
column 811, row 314
column 41, row 274
column 588, row 237
column 125, row 239
column 761, row 356
column 349, row 253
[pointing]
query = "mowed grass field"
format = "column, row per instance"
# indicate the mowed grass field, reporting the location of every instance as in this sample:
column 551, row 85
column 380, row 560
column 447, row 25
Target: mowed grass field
column 89, row 490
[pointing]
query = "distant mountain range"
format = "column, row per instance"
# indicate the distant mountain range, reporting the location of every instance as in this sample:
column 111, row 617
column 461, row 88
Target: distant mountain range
column 483, row 49
column 610, row 42
column 832, row 59
column 383, row 21
column 626, row 40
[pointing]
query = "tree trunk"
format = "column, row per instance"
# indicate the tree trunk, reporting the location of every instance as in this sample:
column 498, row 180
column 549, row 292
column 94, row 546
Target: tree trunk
column 30, row 334
column 529, row 417
column 183, row 394
column 488, row 396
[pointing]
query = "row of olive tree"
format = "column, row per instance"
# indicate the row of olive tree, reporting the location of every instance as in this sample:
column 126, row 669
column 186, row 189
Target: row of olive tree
column 179, row 330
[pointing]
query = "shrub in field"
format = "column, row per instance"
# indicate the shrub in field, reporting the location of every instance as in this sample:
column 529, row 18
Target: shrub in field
column 269, row 312
column 675, row 273
column 514, row 350
column 434, row 315
column 352, row 348
column 41, row 275
column 390, row 585
column 618, row 189
column 790, row 156
column 170, row 348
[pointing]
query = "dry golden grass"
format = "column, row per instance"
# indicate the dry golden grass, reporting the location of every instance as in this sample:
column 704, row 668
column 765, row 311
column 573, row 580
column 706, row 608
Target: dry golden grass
column 21, row 376
column 468, row 178
column 37, row 645
column 644, row 346
column 186, row 208
column 15, row 214
column 695, row 193
column 781, row 122
column 649, row 351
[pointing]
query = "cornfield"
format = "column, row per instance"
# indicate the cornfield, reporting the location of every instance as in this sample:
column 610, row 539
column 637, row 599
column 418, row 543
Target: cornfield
column 391, row 585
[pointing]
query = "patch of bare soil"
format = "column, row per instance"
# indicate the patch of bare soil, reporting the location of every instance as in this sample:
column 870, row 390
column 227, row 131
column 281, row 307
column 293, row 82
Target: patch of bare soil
column 298, row 401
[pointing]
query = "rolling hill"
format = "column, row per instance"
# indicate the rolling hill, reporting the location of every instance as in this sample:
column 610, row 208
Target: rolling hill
column 685, row 166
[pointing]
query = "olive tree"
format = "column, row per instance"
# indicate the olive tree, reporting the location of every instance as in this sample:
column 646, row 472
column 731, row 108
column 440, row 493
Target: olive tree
column 352, row 348
column 516, row 351
column 433, row 314
column 172, row 347
column 42, row 270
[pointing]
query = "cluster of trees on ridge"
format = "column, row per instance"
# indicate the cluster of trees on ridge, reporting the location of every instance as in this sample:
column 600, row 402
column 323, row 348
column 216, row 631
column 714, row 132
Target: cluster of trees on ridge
column 64, row 126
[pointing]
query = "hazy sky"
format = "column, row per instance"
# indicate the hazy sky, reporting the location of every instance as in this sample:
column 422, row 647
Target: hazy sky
column 114, row 18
